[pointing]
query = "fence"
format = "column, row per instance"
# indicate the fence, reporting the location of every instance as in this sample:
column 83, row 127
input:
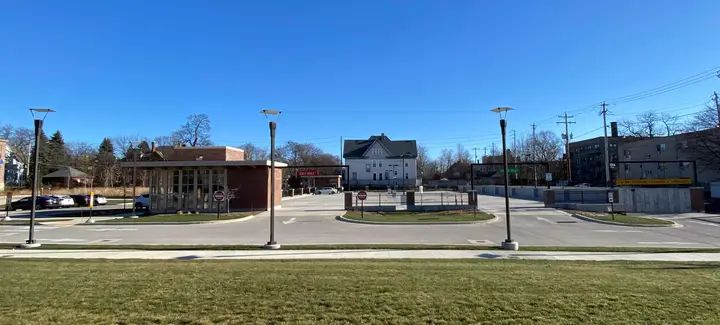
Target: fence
column 413, row 201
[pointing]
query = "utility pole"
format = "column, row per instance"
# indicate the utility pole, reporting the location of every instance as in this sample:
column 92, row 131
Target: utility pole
column 533, row 154
column 493, row 152
column 567, row 136
column 475, row 150
column 607, row 151
column 515, row 153
column 717, row 103
column 341, row 152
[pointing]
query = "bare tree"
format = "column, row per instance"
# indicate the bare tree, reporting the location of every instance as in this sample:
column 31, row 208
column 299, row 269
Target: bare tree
column 195, row 132
column 20, row 142
column 546, row 146
column 253, row 152
column 671, row 124
column 423, row 158
column 647, row 125
column 165, row 140
column 703, row 137
column 462, row 154
column 446, row 159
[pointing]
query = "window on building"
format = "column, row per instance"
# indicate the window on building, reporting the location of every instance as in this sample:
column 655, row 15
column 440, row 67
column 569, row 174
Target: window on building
column 354, row 176
column 406, row 175
column 374, row 163
column 396, row 173
column 380, row 176
column 367, row 168
column 380, row 163
column 406, row 164
column 374, row 176
column 660, row 148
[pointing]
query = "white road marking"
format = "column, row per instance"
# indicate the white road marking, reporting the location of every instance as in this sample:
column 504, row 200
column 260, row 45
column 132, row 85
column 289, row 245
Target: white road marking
column 111, row 229
column 543, row 219
column 63, row 240
column 664, row 243
column 9, row 234
column 289, row 221
column 609, row 230
column 705, row 223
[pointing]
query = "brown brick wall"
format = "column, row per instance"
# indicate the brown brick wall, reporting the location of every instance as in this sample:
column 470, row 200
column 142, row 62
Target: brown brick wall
column 253, row 187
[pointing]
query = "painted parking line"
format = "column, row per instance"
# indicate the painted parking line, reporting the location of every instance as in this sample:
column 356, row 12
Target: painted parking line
column 289, row 221
column 704, row 223
column 619, row 231
column 110, row 229
column 665, row 243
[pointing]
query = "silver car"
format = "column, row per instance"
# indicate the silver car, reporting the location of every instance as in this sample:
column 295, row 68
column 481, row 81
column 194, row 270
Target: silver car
column 325, row 190
column 65, row 201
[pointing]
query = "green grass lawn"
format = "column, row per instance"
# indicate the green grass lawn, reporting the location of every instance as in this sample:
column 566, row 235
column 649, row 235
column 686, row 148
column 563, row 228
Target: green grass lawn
column 623, row 218
column 403, row 216
column 357, row 292
column 181, row 217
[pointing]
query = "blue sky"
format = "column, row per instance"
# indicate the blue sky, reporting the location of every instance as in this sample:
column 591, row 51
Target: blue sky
column 425, row 70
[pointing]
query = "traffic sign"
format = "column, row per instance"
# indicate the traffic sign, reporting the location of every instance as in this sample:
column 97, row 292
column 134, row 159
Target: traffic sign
column 219, row 196
column 611, row 197
column 362, row 195
column 307, row 173
column 548, row 176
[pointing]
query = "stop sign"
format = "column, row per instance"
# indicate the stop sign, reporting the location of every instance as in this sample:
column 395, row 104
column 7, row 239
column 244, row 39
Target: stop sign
column 219, row 196
column 362, row 195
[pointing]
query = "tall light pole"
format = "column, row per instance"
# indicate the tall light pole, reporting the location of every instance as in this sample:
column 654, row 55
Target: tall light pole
column 272, row 244
column 134, row 180
column 31, row 243
column 508, row 244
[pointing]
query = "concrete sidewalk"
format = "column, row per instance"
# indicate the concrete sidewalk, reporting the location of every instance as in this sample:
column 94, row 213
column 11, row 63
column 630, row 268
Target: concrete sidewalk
column 356, row 254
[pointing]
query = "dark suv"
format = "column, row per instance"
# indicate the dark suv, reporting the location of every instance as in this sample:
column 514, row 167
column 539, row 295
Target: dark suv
column 42, row 202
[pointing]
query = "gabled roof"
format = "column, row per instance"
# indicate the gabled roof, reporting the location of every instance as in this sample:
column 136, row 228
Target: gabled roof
column 396, row 149
column 64, row 172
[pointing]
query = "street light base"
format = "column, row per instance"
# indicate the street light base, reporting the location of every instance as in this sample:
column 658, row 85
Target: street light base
column 30, row 245
column 91, row 220
column 271, row 246
column 7, row 219
column 510, row 245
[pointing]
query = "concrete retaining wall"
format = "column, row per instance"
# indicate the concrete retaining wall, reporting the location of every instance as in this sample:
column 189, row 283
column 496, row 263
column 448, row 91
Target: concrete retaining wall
column 420, row 208
column 656, row 200
column 527, row 193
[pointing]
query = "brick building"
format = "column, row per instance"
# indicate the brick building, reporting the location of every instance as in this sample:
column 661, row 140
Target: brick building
column 184, row 178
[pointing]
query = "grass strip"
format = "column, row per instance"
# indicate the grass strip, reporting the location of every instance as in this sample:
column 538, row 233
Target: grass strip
column 357, row 292
column 181, row 217
column 376, row 246
column 440, row 216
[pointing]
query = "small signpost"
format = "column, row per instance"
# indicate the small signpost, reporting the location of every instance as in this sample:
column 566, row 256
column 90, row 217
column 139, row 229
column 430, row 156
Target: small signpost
column 548, row 176
column 362, row 195
column 8, row 202
column 218, row 196
column 611, row 200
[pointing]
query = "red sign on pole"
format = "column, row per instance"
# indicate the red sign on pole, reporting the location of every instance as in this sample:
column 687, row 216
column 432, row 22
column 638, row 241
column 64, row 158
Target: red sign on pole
column 307, row 172
column 219, row 196
column 362, row 195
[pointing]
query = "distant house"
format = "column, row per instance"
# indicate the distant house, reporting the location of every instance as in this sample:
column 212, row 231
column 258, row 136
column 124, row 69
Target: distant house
column 380, row 162
column 458, row 170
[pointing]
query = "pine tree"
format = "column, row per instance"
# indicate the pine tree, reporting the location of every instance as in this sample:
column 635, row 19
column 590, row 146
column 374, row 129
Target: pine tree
column 105, row 167
column 58, row 155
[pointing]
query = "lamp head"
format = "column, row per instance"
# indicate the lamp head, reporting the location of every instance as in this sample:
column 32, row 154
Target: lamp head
column 41, row 110
column 502, row 111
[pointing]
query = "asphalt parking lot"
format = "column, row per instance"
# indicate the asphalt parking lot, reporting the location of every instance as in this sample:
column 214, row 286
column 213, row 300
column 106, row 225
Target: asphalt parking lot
column 312, row 220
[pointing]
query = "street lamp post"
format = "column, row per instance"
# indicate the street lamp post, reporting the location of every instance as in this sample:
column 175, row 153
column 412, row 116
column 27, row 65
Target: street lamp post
column 272, row 244
column 31, row 243
column 134, row 180
column 508, row 244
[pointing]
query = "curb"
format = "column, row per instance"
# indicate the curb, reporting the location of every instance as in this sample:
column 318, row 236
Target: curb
column 100, row 223
column 584, row 218
column 415, row 223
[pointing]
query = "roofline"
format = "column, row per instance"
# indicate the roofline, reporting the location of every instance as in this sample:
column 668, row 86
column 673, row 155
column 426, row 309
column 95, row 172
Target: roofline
column 200, row 163
column 209, row 147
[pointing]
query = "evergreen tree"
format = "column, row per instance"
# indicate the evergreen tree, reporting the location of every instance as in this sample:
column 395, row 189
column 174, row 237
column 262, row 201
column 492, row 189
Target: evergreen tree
column 58, row 155
column 105, row 167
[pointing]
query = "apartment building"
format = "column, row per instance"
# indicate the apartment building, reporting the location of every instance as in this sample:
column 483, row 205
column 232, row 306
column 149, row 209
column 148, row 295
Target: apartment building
column 379, row 162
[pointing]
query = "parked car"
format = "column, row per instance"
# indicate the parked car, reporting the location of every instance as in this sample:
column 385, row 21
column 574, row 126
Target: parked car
column 65, row 201
column 142, row 201
column 83, row 200
column 325, row 190
column 41, row 202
